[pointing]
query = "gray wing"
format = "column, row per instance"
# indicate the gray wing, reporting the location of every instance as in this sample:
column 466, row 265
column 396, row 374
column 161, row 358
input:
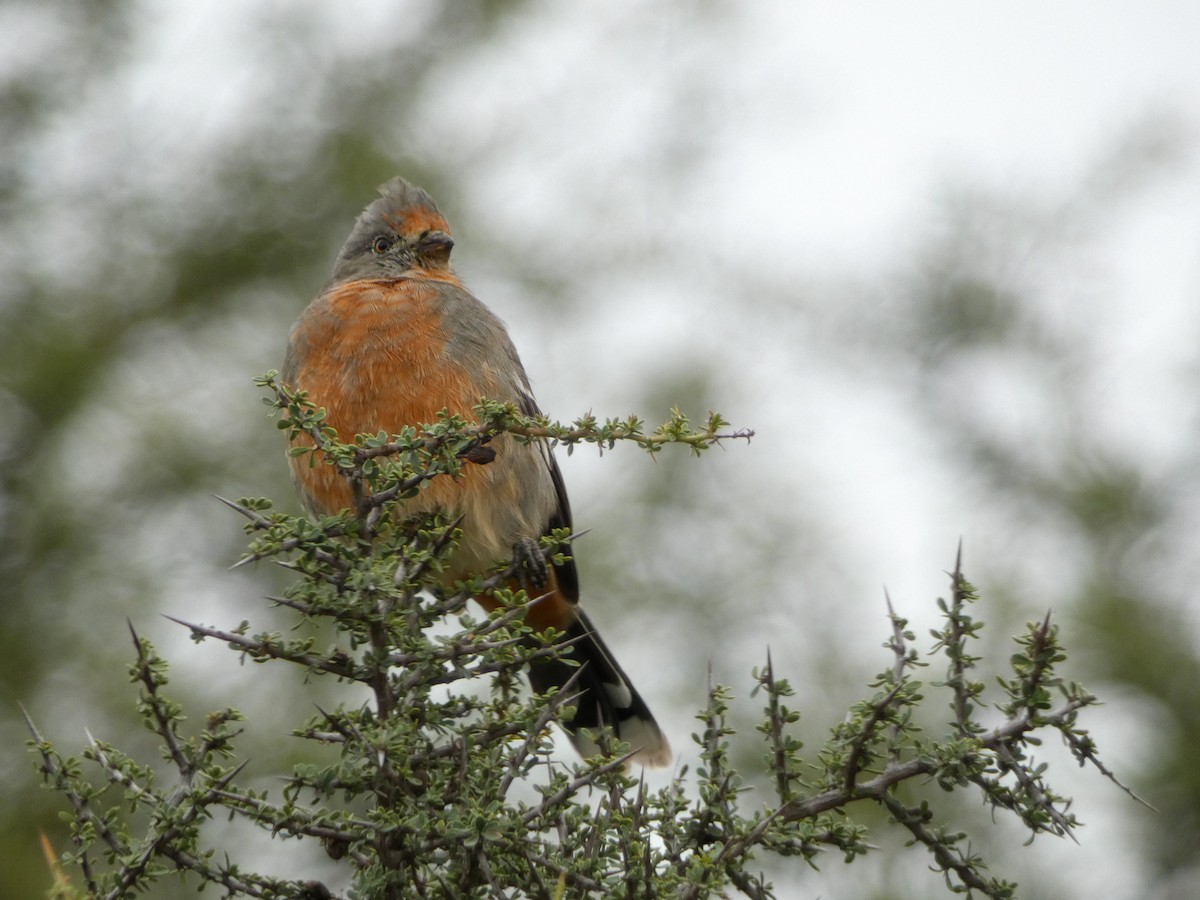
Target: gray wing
column 566, row 575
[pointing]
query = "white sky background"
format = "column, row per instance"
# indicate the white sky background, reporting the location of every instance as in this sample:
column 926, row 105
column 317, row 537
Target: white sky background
column 836, row 125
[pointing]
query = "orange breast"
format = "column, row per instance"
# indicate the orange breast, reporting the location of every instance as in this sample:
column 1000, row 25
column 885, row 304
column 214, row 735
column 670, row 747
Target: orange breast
column 373, row 355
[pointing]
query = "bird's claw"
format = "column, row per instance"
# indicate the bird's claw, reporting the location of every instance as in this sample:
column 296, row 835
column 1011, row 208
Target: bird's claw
column 531, row 564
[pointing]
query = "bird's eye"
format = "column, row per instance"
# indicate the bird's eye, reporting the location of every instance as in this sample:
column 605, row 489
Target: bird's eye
column 381, row 245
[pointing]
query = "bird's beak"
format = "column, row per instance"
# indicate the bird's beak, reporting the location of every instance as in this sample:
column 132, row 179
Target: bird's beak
column 435, row 246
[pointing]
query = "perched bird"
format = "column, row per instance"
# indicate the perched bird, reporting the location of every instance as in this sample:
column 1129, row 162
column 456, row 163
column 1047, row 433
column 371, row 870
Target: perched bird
column 394, row 338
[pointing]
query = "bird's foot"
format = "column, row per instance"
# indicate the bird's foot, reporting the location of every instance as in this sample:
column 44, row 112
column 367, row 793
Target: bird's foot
column 531, row 564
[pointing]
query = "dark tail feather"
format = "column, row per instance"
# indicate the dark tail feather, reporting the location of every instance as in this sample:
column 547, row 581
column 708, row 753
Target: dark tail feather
column 607, row 698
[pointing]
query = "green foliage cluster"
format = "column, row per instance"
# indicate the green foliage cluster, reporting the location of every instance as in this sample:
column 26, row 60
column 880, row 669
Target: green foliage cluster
column 430, row 780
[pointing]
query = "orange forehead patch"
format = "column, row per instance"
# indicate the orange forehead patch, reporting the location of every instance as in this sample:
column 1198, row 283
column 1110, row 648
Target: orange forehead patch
column 416, row 220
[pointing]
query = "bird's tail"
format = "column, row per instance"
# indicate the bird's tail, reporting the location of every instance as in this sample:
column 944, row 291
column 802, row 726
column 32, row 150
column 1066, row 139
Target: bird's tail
column 606, row 697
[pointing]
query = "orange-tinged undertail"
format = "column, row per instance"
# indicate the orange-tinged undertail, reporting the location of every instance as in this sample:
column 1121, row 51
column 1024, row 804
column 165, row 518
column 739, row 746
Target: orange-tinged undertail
column 606, row 698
